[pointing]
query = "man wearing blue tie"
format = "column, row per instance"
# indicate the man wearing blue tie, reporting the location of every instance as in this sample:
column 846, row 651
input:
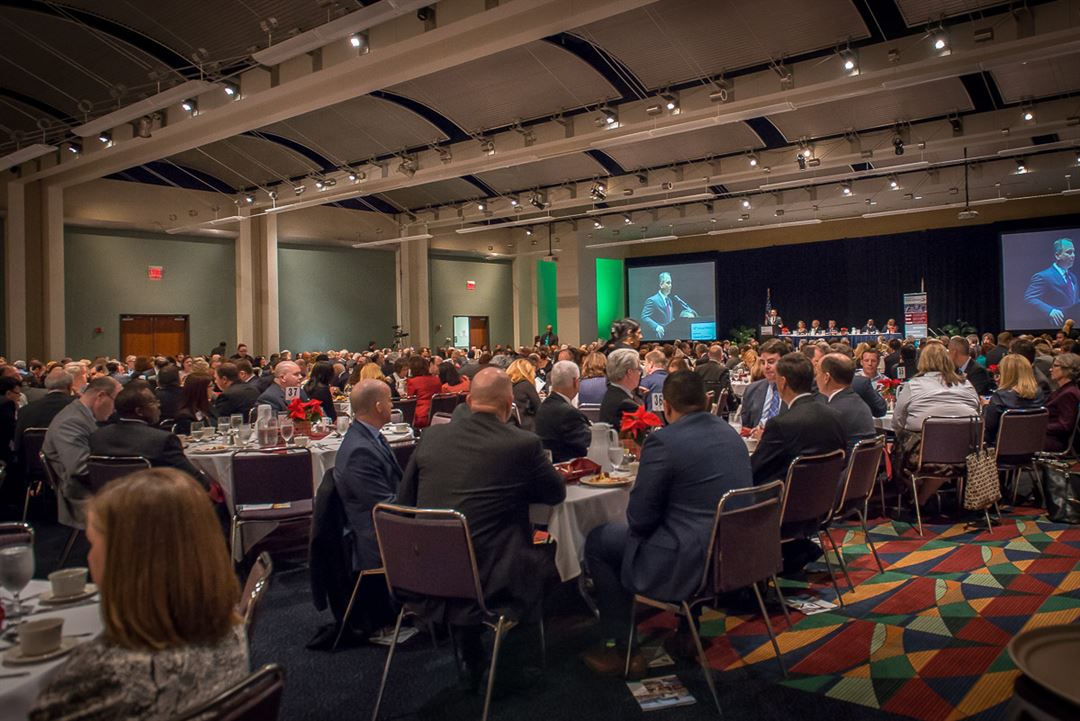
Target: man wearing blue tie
column 1053, row 291
column 658, row 311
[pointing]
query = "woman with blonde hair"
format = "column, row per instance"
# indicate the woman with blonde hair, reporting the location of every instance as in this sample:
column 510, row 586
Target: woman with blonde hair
column 523, row 376
column 936, row 390
column 172, row 638
column 1017, row 389
column 593, row 378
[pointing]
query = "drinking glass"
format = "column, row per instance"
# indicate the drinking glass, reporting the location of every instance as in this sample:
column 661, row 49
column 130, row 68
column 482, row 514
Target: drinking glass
column 615, row 455
column 268, row 431
column 16, row 570
column 342, row 425
column 286, row 430
column 223, row 426
column 243, row 434
column 196, row 430
column 236, row 420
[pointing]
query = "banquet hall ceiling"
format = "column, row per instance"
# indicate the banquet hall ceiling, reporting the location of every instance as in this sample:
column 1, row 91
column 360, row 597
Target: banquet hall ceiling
column 65, row 62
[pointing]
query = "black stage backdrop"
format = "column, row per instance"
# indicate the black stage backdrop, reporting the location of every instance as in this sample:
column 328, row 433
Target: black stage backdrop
column 852, row 279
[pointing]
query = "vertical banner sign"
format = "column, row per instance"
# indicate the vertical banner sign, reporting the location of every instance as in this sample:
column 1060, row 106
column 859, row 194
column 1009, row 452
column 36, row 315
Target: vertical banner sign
column 915, row 316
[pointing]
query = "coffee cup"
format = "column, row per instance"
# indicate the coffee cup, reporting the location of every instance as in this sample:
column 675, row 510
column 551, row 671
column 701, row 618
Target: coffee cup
column 301, row 441
column 633, row 467
column 399, row 427
column 68, row 582
column 41, row 636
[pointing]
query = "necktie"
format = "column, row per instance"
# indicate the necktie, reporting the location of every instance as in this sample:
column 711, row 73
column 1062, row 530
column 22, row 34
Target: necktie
column 387, row 449
column 1072, row 288
column 667, row 301
column 774, row 406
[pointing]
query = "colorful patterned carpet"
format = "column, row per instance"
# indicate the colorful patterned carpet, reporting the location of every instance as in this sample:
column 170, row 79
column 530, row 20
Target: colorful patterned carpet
column 926, row 639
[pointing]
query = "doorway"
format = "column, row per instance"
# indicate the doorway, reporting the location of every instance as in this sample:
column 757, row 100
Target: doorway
column 471, row 331
column 153, row 335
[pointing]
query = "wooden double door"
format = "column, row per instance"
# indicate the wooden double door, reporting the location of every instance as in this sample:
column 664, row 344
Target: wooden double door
column 153, row 335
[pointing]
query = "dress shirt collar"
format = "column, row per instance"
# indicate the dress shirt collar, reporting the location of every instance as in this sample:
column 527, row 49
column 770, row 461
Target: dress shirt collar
column 1064, row 273
column 371, row 430
column 564, row 397
column 832, row 395
column 963, row 368
column 134, row 420
column 796, row 399
column 629, row 394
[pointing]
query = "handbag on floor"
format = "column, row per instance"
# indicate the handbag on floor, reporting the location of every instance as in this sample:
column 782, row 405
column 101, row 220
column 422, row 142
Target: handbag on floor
column 982, row 488
column 1061, row 490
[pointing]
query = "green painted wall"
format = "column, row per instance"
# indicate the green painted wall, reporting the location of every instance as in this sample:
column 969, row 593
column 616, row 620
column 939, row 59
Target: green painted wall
column 547, row 301
column 105, row 276
column 335, row 297
column 493, row 297
column 610, row 294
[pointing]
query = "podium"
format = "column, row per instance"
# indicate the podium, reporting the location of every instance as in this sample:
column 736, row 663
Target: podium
column 766, row 330
column 702, row 328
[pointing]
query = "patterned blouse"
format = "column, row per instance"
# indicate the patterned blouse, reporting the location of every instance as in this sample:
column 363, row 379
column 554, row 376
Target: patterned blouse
column 101, row 681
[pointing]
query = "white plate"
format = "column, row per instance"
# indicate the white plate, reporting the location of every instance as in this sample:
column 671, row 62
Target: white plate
column 14, row 655
column 617, row 482
column 48, row 599
column 213, row 448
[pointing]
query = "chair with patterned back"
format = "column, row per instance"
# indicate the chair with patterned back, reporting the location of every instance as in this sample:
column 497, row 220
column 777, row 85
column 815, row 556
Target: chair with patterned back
column 809, row 498
column 429, row 554
column 272, row 489
column 256, row 698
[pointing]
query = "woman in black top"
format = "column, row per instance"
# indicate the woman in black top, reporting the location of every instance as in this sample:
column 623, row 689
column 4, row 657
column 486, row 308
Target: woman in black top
column 318, row 387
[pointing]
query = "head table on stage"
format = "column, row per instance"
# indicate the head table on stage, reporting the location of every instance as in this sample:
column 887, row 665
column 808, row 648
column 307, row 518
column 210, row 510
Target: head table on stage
column 855, row 338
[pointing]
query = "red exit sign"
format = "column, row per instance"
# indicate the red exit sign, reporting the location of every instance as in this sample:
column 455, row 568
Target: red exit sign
column 470, row 285
column 154, row 272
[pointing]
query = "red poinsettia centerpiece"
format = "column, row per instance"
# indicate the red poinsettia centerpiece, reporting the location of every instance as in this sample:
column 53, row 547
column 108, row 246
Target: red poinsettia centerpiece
column 310, row 411
column 887, row 387
column 637, row 423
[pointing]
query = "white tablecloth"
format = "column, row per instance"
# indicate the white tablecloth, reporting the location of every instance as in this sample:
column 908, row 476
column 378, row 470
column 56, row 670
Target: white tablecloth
column 884, row 423
column 738, row 387
column 569, row 523
column 17, row 695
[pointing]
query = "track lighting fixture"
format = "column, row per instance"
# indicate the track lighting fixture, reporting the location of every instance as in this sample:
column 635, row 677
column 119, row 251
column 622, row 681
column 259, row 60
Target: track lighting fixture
column 191, row 105
column 898, row 145
column 1021, row 166
column 232, row 90
column 845, row 188
column 105, row 137
column 746, row 203
column 939, row 41
column 850, row 62
column 74, row 147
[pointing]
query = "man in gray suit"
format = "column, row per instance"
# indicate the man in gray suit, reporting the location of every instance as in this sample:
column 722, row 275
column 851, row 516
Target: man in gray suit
column 834, row 375
column 67, row 446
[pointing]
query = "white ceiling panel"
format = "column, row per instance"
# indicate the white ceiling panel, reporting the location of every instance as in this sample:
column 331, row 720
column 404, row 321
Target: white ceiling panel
column 547, row 172
column 686, row 146
column 357, row 129
column 920, row 12
column 530, row 81
column 1038, row 79
column 438, row 193
column 878, row 110
column 673, row 41
column 243, row 161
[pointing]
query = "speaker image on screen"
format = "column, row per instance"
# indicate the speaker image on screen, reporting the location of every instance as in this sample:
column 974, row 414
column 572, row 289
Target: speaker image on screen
column 1039, row 282
column 673, row 301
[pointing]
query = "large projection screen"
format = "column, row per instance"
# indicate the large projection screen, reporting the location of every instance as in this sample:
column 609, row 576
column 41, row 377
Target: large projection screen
column 673, row 300
column 1038, row 279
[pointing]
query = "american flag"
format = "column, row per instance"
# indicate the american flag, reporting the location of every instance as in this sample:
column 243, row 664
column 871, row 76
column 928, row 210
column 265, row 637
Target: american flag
column 768, row 303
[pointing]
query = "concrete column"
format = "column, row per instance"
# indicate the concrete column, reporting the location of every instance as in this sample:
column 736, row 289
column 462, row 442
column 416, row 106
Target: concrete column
column 257, row 284
column 414, row 312
column 568, row 294
column 524, row 279
column 268, row 308
column 245, row 287
column 34, row 271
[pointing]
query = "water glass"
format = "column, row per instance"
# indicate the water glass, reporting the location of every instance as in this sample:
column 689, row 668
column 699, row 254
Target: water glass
column 615, row 455
column 236, row 420
column 223, row 427
column 268, row 432
column 286, row 430
column 342, row 425
column 16, row 570
column 196, row 430
column 243, row 434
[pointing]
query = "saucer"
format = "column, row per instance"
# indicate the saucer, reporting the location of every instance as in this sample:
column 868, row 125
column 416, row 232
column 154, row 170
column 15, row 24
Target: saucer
column 14, row 655
column 48, row 599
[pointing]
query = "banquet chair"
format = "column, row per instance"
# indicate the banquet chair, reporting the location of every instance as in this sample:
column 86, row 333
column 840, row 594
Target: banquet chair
column 272, row 489
column 403, row 452
column 13, row 533
column 1021, row 435
column 444, row 403
column 1070, row 448
column 167, row 424
column 721, row 407
column 256, row 698
column 809, row 498
column 407, row 406
column 32, row 441
column 946, row 443
column 429, row 554
column 855, row 491
column 591, row 411
column 255, row 587
column 370, row 573
column 62, row 510
column 744, row 549
column 105, row 469
column 440, row 418
column 396, row 416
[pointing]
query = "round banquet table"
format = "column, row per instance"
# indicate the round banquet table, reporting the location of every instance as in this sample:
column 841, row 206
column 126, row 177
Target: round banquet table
column 17, row 695
column 569, row 523
column 739, row 387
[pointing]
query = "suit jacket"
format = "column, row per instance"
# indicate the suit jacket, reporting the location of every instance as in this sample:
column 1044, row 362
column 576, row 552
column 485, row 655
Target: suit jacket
column 685, row 469
column 40, row 413
column 274, row 396
column 1048, row 291
column 490, row 471
column 563, row 429
column 549, row 339
column 614, row 404
column 169, row 397
column 654, row 390
column 528, row 403
column 1063, row 406
column 979, row 377
column 263, row 381
column 365, row 473
column 716, row 377
column 863, row 388
column 753, row 403
column 995, row 354
column 67, row 446
column 658, row 311
column 855, row 417
column 807, row 428
column 237, row 398
column 129, row 437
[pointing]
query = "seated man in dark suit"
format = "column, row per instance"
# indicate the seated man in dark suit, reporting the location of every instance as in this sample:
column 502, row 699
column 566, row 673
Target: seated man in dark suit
column 834, row 375
column 807, row 428
column 563, row 429
column 714, row 373
column 660, row 551
column 39, row 413
column 624, row 376
column 490, row 471
column 286, row 375
column 760, row 401
column 136, row 433
column 960, row 354
column 169, row 391
column 235, row 396
column 366, row 473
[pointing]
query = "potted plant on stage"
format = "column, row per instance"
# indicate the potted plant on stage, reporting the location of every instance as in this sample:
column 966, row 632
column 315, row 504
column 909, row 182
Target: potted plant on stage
column 306, row 416
column 635, row 426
